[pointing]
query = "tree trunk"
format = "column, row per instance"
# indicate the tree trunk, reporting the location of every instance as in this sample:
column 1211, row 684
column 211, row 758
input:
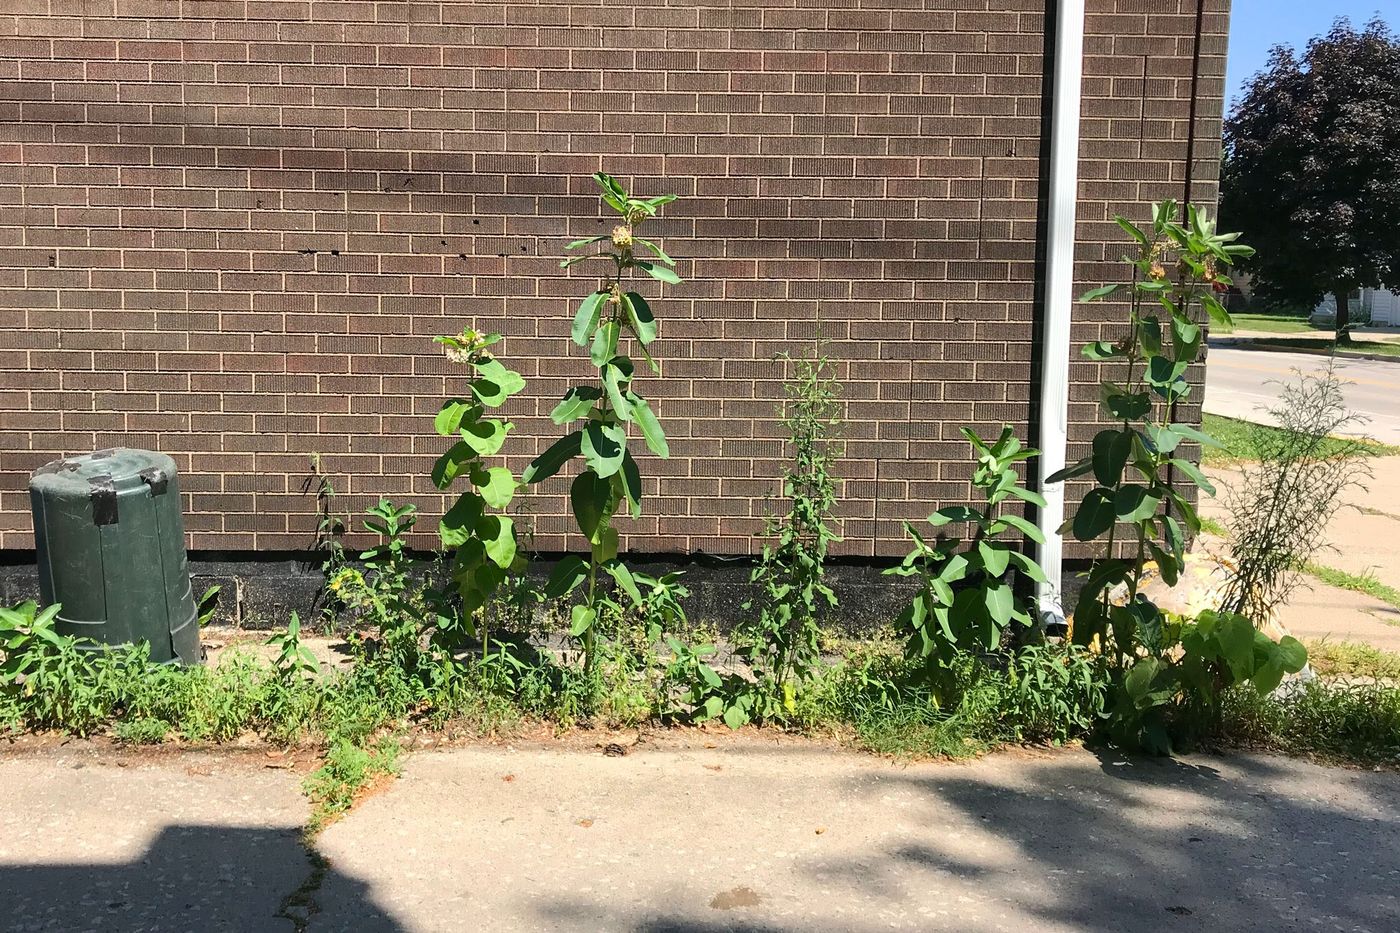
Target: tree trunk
column 1343, row 316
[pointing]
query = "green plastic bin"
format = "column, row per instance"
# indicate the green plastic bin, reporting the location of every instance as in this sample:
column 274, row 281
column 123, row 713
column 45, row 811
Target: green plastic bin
column 110, row 545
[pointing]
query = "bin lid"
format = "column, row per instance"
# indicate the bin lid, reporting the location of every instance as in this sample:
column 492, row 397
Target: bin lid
column 112, row 470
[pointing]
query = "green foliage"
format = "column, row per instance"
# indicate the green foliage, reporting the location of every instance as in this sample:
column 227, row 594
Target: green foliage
column 1353, row 722
column 1243, row 441
column 386, row 592
column 1174, row 689
column 781, row 641
column 1310, row 172
column 347, row 769
column 1352, row 659
column 1282, row 503
column 1135, row 464
column 208, row 605
column 942, row 622
column 1167, row 673
column 294, row 659
column 482, row 543
column 609, row 409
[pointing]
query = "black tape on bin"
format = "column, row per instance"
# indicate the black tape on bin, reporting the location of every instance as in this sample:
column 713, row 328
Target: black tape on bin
column 104, row 499
column 155, row 478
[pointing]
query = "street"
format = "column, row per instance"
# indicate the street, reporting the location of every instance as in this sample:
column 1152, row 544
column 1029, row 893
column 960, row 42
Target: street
column 1241, row 383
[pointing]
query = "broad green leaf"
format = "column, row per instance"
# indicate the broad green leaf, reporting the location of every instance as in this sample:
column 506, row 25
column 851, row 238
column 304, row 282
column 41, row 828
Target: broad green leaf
column 1133, row 231
column 954, row 513
column 497, row 532
column 590, row 496
column 567, row 574
column 459, row 521
column 552, row 460
column 1186, row 338
column 660, row 273
column 619, row 572
column 631, row 478
column 1133, row 503
column 576, row 403
column 1103, row 291
column 586, row 318
column 1124, row 405
column 1191, row 434
column 610, row 185
column 1026, row 495
column 999, row 602
column 606, row 548
column 617, row 375
column 1159, row 439
column 587, row 241
column 1101, row 350
column 1022, row 525
column 735, row 716
column 1194, row 474
column 581, row 619
column 1293, row 656
column 486, row 436
column 1164, row 372
column 994, row 557
column 656, row 250
column 496, row 383
column 1028, row 566
column 640, row 316
column 602, row 446
column 1150, row 335
column 651, row 428
column 447, row 467
column 1070, row 472
column 497, row 486
column 1111, row 450
column 449, row 417
column 604, row 345
column 1094, row 516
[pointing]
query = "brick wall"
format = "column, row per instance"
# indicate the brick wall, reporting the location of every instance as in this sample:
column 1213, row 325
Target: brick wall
column 229, row 229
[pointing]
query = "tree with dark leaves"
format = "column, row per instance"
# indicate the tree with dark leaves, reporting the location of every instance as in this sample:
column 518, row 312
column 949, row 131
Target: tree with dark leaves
column 1312, row 168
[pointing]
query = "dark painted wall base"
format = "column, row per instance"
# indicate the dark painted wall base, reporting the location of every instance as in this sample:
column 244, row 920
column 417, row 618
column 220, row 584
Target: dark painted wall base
column 260, row 594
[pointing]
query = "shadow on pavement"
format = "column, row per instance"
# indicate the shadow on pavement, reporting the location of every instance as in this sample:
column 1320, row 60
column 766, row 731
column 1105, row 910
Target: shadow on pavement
column 1163, row 844
column 197, row 878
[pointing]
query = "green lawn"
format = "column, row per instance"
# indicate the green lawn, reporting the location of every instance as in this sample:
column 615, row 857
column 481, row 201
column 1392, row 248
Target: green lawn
column 1372, row 347
column 1241, row 441
column 1271, row 323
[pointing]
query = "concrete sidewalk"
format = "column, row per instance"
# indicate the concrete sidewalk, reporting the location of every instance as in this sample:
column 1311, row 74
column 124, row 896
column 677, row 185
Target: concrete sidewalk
column 1363, row 538
column 697, row 832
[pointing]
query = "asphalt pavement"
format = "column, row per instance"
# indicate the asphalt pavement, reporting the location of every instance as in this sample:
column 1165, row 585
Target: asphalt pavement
column 1243, row 383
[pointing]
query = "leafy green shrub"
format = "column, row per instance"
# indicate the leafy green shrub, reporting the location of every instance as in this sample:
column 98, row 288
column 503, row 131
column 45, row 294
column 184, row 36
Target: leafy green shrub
column 781, row 641
column 1357, row 722
column 1167, row 673
column 609, row 408
column 943, row 623
column 1055, row 694
column 483, row 545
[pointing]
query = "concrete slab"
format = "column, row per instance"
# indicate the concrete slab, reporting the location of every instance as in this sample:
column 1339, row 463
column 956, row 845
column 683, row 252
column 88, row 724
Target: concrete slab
column 96, row 838
column 761, row 835
column 1362, row 539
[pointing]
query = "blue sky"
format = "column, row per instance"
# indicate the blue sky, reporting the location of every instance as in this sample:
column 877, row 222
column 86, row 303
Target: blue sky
column 1258, row 25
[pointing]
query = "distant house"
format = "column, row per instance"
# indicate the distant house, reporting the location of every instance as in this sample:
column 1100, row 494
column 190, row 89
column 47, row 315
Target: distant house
column 1375, row 306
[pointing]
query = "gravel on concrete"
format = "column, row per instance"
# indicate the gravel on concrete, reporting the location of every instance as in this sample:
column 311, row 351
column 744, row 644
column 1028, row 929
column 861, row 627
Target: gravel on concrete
column 758, row 835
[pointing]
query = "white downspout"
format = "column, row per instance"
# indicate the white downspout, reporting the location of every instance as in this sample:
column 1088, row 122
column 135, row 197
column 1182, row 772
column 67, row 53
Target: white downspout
column 1062, row 201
